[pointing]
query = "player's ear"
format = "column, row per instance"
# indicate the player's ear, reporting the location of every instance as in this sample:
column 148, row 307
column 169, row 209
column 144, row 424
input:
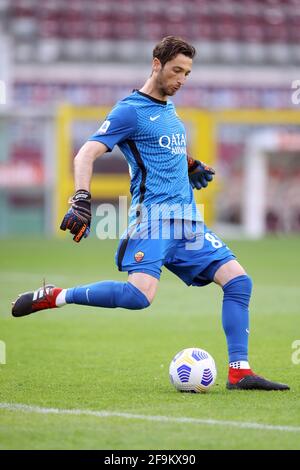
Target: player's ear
column 156, row 65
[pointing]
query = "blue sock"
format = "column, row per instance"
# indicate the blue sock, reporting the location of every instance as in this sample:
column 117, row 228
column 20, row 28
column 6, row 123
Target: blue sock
column 108, row 294
column 235, row 316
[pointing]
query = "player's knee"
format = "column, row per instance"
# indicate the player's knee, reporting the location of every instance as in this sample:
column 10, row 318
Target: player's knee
column 150, row 297
column 149, row 294
column 146, row 284
column 141, row 303
column 228, row 271
column 138, row 299
column 239, row 284
column 247, row 283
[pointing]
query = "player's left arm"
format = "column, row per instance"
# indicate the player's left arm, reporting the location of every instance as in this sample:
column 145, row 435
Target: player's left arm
column 200, row 174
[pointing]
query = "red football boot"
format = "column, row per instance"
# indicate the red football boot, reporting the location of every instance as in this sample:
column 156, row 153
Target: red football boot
column 30, row 302
column 245, row 379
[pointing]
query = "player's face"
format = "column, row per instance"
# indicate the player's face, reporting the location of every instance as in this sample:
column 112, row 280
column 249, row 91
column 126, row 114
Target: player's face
column 173, row 74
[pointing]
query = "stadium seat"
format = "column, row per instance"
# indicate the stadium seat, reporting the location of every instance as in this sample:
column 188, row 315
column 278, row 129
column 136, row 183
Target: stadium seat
column 252, row 31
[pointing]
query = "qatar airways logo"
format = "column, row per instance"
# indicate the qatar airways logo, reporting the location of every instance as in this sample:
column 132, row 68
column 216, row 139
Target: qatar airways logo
column 175, row 142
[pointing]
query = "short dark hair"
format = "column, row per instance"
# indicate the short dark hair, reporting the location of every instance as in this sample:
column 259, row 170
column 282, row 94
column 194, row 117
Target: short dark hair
column 170, row 46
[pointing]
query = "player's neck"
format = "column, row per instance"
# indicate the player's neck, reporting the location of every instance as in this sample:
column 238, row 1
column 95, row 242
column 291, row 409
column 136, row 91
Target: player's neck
column 150, row 89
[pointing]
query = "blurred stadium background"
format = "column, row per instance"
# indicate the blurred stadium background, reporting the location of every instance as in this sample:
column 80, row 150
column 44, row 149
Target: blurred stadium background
column 63, row 64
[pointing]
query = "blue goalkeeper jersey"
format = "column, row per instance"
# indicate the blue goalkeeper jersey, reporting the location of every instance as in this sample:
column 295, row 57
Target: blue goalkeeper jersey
column 150, row 134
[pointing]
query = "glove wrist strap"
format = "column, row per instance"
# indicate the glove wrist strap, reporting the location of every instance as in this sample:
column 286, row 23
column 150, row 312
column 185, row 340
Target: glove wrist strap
column 192, row 164
column 82, row 194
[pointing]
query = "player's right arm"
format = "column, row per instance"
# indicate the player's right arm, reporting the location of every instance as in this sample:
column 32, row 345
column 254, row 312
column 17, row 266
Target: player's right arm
column 119, row 125
column 78, row 218
column 83, row 163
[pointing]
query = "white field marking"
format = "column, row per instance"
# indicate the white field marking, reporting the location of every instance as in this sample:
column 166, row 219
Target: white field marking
column 160, row 419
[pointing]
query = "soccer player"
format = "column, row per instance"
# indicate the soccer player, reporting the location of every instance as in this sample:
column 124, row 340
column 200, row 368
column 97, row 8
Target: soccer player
column 152, row 137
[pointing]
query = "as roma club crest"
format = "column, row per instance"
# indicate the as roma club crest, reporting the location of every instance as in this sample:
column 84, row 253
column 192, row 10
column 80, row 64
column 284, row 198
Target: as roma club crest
column 139, row 256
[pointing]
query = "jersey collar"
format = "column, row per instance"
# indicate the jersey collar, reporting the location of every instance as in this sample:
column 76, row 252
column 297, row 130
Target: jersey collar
column 151, row 97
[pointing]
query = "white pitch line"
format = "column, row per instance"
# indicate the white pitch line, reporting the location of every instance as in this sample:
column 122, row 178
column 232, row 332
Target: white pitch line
column 160, row 419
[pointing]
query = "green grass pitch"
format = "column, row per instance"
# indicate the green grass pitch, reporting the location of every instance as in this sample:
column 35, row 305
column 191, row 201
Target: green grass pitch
column 117, row 360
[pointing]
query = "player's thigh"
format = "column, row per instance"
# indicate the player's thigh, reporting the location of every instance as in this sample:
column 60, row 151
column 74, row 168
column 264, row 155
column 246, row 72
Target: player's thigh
column 197, row 259
column 145, row 283
column 139, row 253
column 228, row 271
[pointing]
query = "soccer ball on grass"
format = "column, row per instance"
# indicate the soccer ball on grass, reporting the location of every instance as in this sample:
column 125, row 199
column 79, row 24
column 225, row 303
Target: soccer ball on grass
column 193, row 370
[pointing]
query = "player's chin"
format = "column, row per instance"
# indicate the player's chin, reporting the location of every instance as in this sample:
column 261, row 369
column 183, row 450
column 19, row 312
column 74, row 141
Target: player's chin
column 172, row 91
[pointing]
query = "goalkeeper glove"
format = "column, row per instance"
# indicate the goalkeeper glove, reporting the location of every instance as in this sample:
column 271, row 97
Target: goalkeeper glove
column 78, row 218
column 200, row 174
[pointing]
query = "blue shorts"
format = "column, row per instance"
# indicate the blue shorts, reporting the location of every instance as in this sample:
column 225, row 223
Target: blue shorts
column 188, row 249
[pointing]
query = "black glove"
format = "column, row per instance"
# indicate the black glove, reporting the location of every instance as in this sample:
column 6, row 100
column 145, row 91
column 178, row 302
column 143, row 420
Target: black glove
column 200, row 174
column 78, row 218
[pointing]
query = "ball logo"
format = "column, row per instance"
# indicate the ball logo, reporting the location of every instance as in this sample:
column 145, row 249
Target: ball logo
column 184, row 373
column 207, row 377
column 139, row 256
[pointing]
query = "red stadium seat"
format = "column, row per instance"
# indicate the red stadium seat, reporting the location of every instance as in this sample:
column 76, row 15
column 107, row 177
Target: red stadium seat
column 229, row 31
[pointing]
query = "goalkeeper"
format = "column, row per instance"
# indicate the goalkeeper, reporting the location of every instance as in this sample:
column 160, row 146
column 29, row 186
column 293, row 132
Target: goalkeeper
column 148, row 131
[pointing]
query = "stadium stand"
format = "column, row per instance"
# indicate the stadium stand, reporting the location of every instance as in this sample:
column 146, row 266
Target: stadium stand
column 253, row 31
column 69, row 51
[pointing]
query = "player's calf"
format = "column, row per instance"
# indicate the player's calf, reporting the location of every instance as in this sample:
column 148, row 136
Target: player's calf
column 108, row 294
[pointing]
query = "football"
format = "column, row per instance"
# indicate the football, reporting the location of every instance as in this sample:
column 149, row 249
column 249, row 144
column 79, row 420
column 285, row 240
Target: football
column 193, row 370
